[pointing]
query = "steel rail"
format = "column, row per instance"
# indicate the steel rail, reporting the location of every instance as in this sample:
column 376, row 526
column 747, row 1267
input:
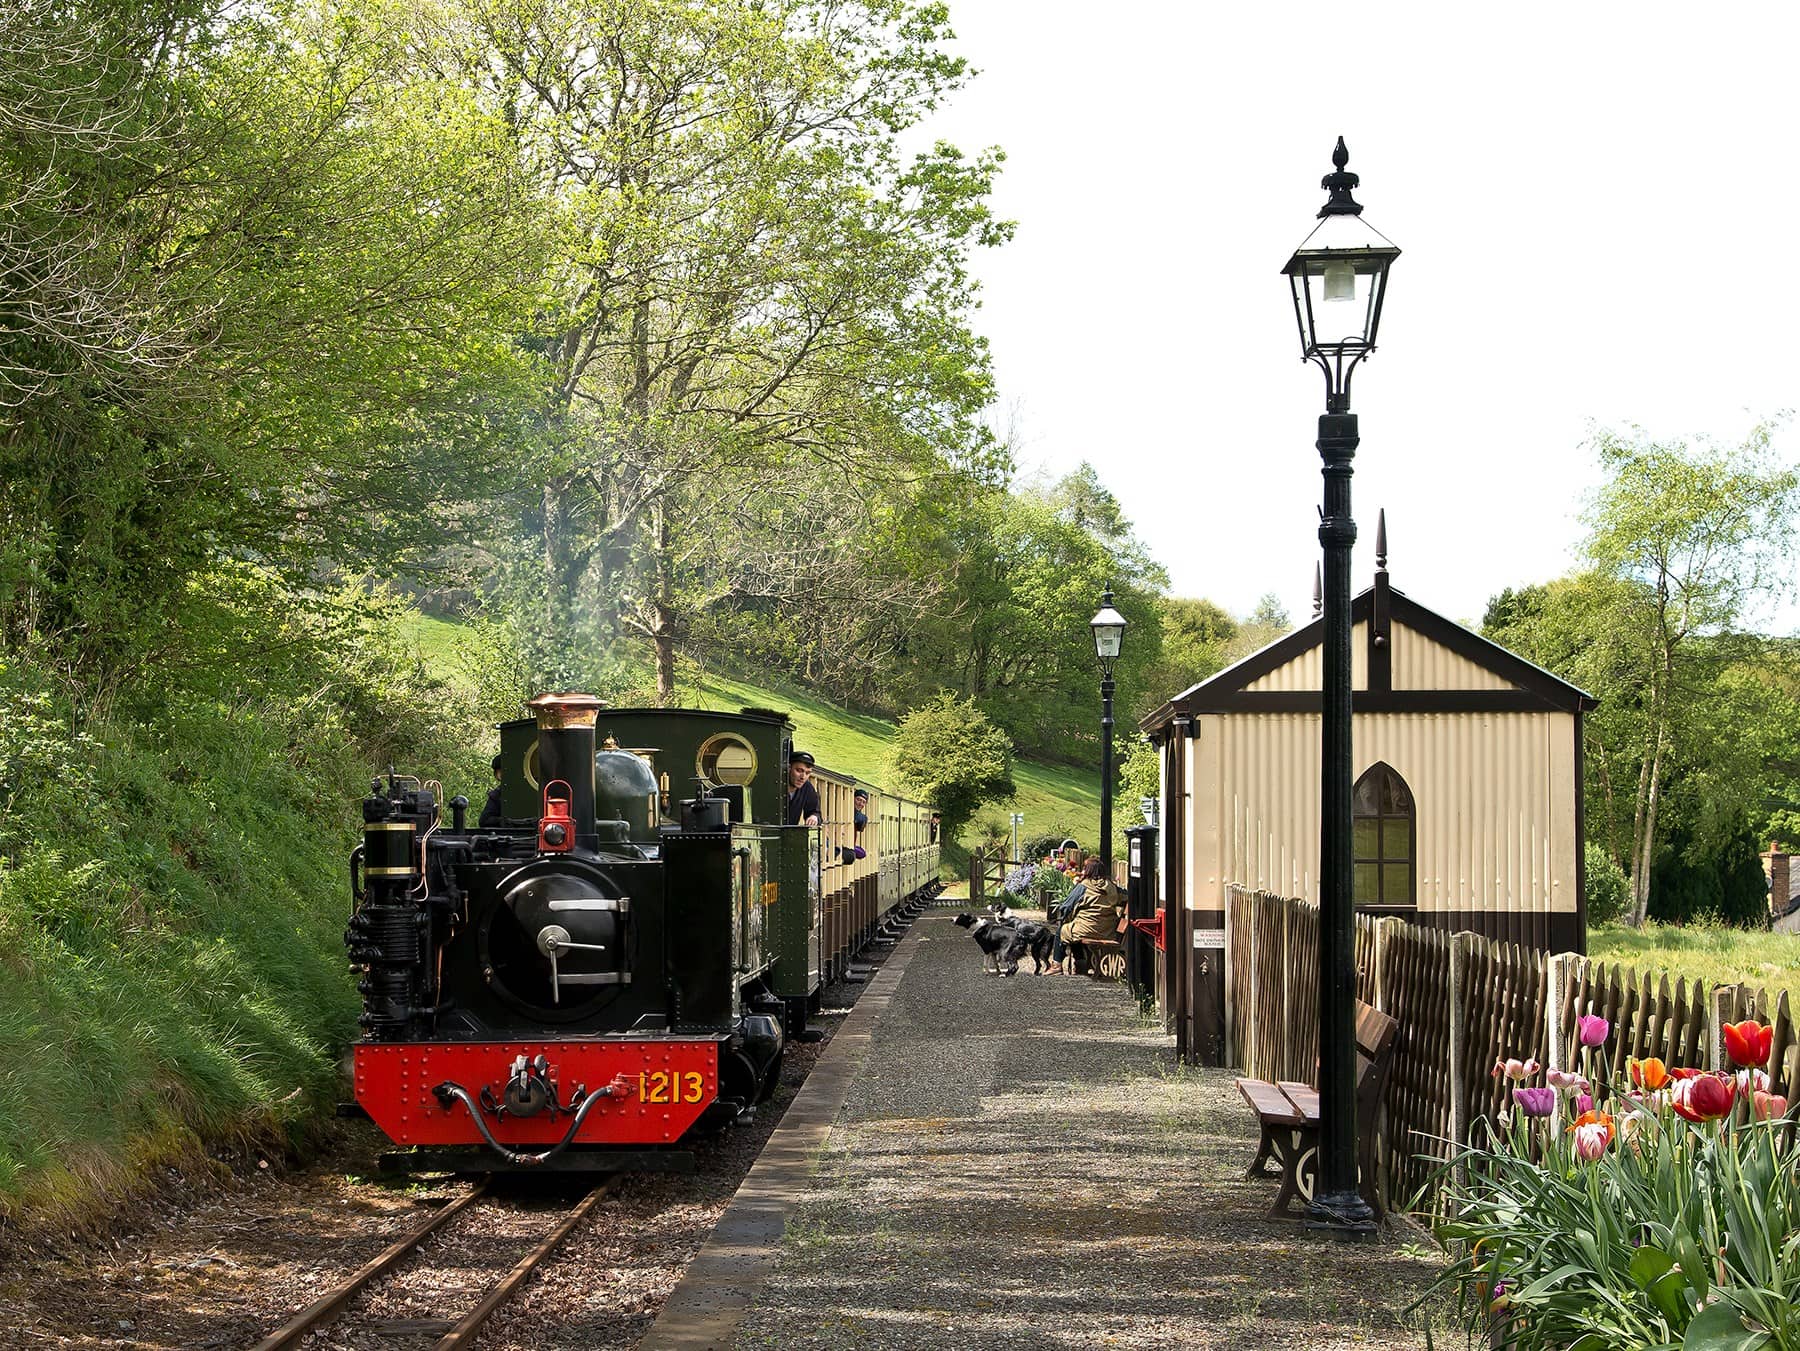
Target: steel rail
column 464, row 1332
column 329, row 1304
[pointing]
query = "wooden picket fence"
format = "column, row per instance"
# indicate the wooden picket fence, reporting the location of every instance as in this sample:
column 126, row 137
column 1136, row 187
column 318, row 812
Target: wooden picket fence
column 1463, row 1002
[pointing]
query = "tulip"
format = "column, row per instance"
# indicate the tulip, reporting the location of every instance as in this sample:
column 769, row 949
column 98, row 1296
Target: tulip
column 1748, row 1043
column 1706, row 1097
column 1592, row 1029
column 1751, row 1081
column 1651, row 1074
column 1567, row 1081
column 1591, row 1141
column 1516, row 1070
column 1767, row 1106
column 1535, row 1101
column 1584, row 1103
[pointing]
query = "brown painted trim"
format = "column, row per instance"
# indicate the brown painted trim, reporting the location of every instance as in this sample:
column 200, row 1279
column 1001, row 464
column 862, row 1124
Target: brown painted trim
column 1381, row 637
column 1580, row 943
column 1553, row 931
column 1367, row 701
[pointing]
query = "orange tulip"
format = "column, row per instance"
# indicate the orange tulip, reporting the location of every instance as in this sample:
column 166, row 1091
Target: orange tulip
column 1649, row 1074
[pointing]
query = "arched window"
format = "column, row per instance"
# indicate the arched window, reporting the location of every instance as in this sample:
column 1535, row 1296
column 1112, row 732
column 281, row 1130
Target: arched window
column 1385, row 841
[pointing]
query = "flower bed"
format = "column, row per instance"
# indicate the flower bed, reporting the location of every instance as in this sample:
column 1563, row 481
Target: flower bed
column 1660, row 1211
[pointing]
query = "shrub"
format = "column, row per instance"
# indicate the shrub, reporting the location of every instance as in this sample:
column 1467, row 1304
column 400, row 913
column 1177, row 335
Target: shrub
column 1608, row 892
column 950, row 754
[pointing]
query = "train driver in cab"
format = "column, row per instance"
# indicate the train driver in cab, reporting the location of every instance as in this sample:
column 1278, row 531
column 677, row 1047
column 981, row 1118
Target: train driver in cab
column 803, row 797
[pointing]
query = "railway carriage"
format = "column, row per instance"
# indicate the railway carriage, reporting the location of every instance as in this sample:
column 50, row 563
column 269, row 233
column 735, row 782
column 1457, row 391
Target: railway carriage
column 621, row 961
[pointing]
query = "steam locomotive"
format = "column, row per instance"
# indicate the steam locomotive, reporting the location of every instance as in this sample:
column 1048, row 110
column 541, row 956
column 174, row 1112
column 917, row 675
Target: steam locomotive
column 617, row 965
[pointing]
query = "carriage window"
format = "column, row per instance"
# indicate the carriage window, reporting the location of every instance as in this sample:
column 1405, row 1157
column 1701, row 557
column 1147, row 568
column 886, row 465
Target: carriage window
column 1384, row 839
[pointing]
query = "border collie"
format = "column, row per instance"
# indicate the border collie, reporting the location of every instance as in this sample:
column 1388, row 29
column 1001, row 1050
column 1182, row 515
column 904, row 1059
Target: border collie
column 1004, row 942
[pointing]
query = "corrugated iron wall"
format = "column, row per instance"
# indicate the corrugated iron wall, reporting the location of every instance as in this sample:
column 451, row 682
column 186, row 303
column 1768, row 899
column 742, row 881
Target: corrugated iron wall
column 1494, row 796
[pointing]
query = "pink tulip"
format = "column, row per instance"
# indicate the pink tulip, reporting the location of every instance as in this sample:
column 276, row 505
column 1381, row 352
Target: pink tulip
column 1567, row 1081
column 1592, row 1029
column 1516, row 1070
column 1584, row 1103
column 1768, row 1106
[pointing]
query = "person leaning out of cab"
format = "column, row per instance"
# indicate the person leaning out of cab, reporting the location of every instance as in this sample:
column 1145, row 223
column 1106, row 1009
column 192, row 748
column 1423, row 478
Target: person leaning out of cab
column 803, row 795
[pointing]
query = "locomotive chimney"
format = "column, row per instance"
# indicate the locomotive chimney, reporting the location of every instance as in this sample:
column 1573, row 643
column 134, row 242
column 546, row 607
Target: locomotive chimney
column 566, row 751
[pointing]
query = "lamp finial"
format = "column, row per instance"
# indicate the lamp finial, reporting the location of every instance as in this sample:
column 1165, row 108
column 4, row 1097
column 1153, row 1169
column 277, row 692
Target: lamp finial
column 1381, row 540
column 1339, row 185
column 1318, row 590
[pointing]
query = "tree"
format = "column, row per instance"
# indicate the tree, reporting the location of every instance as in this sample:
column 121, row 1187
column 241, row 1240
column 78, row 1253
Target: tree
column 1690, row 750
column 257, row 272
column 1702, row 531
column 749, row 284
column 948, row 753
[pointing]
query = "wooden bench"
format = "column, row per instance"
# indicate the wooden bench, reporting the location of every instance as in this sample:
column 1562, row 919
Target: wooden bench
column 1105, row 956
column 1288, row 1113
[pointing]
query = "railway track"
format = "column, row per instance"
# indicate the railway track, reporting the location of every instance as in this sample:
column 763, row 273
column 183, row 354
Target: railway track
column 462, row 1332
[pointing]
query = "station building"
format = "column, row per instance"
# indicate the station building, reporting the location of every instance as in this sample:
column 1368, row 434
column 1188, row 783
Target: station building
column 1468, row 764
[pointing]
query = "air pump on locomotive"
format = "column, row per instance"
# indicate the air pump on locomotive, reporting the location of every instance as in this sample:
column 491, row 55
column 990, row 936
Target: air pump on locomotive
column 585, row 986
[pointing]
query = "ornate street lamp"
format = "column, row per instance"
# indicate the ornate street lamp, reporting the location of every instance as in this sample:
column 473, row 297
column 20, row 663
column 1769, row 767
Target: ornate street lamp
column 1109, row 636
column 1339, row 279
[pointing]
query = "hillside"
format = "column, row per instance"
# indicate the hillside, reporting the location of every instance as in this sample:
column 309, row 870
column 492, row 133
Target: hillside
column 1052, row 798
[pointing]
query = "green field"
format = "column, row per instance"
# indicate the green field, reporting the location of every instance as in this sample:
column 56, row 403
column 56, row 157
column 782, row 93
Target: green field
column 1705, row 952
column 1051, row 797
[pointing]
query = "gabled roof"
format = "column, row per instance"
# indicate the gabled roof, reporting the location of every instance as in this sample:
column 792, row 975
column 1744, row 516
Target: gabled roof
column 1512, row 684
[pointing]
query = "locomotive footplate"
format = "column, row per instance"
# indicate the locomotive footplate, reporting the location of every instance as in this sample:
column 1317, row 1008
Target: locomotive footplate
column 535, row 1095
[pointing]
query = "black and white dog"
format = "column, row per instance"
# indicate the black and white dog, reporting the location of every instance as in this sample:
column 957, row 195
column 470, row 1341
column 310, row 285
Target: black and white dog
column 1005, row 942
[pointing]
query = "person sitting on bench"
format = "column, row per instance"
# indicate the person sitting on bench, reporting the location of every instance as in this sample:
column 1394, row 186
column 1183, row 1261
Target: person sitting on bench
column 1094, row 916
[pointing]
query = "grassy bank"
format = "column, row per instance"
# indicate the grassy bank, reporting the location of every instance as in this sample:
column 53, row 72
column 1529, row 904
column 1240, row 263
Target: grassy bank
column 173, row 893
column 1706, row 952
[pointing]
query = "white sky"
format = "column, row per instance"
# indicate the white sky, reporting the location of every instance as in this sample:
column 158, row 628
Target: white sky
column 1590, row 201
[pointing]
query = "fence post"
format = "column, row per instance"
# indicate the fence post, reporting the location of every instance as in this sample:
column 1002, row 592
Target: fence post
column 1559, row 970
column 1461, row 945
column 1724, row 1007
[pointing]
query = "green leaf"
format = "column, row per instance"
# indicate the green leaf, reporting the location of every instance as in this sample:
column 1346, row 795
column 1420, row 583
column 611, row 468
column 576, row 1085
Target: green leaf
column 1648, row 1265
column 1720, row 1327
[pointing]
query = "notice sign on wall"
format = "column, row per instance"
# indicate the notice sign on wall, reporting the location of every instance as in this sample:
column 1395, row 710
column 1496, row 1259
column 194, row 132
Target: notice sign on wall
column 1209, row 938
column 1137, row 858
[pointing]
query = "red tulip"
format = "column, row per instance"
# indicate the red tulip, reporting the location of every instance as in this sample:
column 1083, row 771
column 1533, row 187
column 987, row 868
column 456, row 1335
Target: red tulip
column 1704, row 1098
column 1748, row 1043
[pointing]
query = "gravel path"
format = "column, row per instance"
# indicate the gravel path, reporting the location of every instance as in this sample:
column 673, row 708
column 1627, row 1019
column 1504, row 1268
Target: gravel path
column 1022, row 1163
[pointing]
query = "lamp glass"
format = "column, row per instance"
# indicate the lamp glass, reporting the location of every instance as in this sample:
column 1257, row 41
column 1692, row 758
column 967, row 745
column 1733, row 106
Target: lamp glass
column 1109, row 632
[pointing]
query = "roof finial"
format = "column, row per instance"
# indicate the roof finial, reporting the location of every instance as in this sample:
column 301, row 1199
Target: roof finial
column 1318, row 590
column 1381, row 540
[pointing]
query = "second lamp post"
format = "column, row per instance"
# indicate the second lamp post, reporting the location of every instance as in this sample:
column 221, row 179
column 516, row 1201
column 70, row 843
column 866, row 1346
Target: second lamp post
column 1109, row 636
column 1339, row 280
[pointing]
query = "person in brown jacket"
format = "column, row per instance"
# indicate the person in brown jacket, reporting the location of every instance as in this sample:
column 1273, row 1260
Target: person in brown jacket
column 1095, row 914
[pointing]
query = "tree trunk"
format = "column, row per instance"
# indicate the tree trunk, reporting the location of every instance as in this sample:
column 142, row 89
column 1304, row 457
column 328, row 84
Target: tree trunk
column 662, row 627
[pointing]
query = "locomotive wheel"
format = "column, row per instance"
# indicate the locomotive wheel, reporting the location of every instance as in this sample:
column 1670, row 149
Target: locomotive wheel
column 773, row 1077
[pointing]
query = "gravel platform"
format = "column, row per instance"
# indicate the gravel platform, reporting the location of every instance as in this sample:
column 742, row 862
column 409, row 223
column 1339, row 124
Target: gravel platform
column 1022, row 1162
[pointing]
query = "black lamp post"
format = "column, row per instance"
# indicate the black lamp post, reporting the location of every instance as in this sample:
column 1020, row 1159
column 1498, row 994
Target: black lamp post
column 1109, row 636
column 1339, row 279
